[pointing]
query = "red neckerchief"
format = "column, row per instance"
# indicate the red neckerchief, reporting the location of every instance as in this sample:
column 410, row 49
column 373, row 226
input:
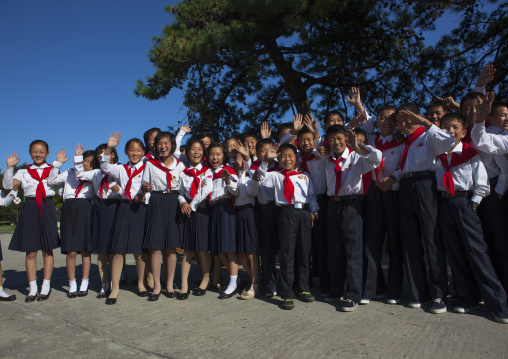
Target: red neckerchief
column 305, row 158
column 289, row 188
column 169, row 177
column 218, row 175
column 409, row 142
column 80, row 187
column 338, row 172
column 192, row 172
column 127, row 190
column 383, row 147
column 274, row 166
column 468, row 152
column 104, row 183
column 149, row 156
column 40, row 191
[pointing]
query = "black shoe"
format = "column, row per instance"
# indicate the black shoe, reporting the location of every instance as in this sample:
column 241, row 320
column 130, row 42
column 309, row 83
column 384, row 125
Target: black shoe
column 111, row 301
column 199, row 292
column 8, row 299
column 153, row 297
column 30, row 298
column 82, row 293
column 42, row 297
column 171, row 294
column 72, row 294
column 183, row 296
column 101, row 295
column 223, row 295
column 144, row 293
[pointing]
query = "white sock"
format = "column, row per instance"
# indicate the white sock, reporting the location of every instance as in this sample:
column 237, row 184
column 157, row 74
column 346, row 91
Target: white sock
column 73, row 286
column 232, row 284
column 84, row 285
column 33, row 287
column 45, row 286
column 3, row 294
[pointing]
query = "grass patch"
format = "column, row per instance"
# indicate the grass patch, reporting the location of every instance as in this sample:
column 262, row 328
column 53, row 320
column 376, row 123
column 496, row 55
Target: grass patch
column 7, row 228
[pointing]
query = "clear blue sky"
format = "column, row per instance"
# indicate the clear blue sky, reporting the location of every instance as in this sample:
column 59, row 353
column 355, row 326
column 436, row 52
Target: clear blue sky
column 68, row 70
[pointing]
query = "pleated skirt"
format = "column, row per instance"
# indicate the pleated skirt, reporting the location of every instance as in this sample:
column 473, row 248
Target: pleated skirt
column 128, row 228
column 196, row 229
column 222, row 228
column 76, row 225
column 163, row 222
column 37, row 229
column 103, row 218
column 245, row 228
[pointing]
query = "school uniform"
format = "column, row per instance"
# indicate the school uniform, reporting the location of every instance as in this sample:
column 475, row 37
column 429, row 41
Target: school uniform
column 268, row 214
column 129, row 224
column 461, row 181
column 75, row 220
column 37, row 225
column 295, row 197
column 163, row 219
column 222, row 213
column 418, row 214
column 246, row 222
column 195, row 228
column 6, row 200
column 345, row 189
column 492, row 209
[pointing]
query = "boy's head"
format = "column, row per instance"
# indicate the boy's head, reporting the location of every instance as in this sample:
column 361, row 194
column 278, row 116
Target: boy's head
column 403, row 122
column 435, row 111
column 305, row 140
column 385, row 120
column 287, row 155
column 230, row 142
column 333, row 118
column 499, row 115
column 149, row 138
column 284, row 128
column 262, row 148
column 360, row 136
column 468, row 106
column 336, row 136
column 250, row 140
column 455, row 124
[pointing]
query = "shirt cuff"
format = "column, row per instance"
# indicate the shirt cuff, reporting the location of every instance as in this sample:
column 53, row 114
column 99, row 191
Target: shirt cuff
column 57, row 164
column 105, row 158
column 476, row 198
column 78, row 159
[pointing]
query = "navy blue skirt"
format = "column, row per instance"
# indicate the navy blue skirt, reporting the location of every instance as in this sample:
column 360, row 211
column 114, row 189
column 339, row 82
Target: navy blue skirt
column 128, row 228
column 246, row 232
column 37, row 229
column 103, row 217
column 222, row 228
column 163, row 222
column 75, row 225
column 195, row 229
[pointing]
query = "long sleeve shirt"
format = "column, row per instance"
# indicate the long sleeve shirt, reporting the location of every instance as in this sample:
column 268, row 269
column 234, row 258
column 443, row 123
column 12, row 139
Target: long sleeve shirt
column 96, row 178
column 119, row 172
column 73, row 187
column 28, row 183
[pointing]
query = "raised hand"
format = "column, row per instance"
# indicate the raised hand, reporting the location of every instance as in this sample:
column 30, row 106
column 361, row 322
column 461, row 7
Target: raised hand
column 15, row 184
column 114, row 139
column 186, row 209
column 352, row 140
column 486, row 76
column 413, row 118
column 354, row 97
column 308, row 121
column 13, row 159
column 226, row 177
column 256, row 176
column 449, row 103
column 271, row 153
column 297, row 123
column 266, row 131
column 60, row 156
column 483, row 109
column 358, row 120
column 185, row 129
column 242, row 149
column 79, row 150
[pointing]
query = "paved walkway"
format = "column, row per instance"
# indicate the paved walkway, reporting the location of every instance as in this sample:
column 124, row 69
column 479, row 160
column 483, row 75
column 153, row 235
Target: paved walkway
column 205, row 327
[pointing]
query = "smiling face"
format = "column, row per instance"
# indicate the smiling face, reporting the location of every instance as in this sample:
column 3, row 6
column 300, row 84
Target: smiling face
column 207, row 141
column 287, row 159
column 215, row 157
column 455, row 128
column 151, row 140
column 261, row 154
column 500, row 117
column 195, row 154
column 135, row 153
column 337, row 143
column 333, row 119
column 39, row 153
column 386, row 122
column 251, row 143
column 469, row 110
column 230, row 146
column 164, row 147
column 405, row 125
column 434, row 114
column 306, row 142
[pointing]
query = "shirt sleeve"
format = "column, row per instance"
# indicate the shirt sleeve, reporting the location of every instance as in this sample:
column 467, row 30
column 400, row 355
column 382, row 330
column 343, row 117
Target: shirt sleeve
column 287, row 138
column 442, row 140
column 311, row 197
column 368, row 124
column 79, row 170
column 233, row 185
column 480, row 180
column 111, row 169
column 178, row 140
column 368, row 162
column 6, row 200
column 8, row 176
column 56, row 178
column 488, row 142
column 266, row 177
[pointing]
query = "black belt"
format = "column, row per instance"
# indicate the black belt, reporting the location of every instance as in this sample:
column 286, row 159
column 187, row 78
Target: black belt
column 98, row 199
column 239, row 208
column 212, row 203
column 295, row 206
column 445, row 194
column 33, row 198
column 417, row 174
column 358, row 197
column 163, row 192
column 319, row 197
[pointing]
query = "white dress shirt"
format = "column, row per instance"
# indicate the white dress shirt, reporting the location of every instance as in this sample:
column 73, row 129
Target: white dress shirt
column 157, row 177
column 29, row 184
column 186, row 184
column 118, row 172
column 70, row 182
column 264, row 194
column 244, row 195
column 6, row 200
column 96, row 176
column 217, row 188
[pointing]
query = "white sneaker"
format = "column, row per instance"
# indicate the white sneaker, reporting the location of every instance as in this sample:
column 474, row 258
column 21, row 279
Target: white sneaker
column 364, row 301
column 463, row 310
column 414, row 305
column 393, row 301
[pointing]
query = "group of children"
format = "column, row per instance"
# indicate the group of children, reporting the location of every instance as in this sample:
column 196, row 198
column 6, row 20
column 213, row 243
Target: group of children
column 434, row 186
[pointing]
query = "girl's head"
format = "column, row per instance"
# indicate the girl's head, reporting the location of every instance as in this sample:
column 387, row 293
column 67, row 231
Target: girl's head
column 165, row 144
column 195, row 151
column 39, row 151
column 206, row 137
column 134, row 150
column 230, row 146
column 88, row 158
column 99, row 151
column 217, row 155
column 149, row 138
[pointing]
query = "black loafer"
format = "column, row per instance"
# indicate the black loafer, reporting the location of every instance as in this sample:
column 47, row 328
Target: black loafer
column 72, row 294
column 153, row 297
column 101, row 295
column 42, row 297
column 111, row 301
column 171, row 294
column 199, row 292
column 183, row 296
column 30, row 298
column 83, row 293
column 144, row 293
column 223, row 295
column 8, row 299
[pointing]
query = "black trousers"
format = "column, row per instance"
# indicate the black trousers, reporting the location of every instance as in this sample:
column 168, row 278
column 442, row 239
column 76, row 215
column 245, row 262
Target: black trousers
column 420, row 237
column 319, row 242
column 268, row 218
column 345, row 249
column 382, row 217
column 294, row 238
column 473, row 274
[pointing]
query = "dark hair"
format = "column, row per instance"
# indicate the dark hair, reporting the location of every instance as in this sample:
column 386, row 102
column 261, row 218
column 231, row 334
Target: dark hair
column 332, row 130
column 102, row 147
column 303, row 131
column 230, row 139
column 288, row 146
column 331, row 113
column 171, row 137
column 453, row 116
column 359, row 131
column 148, row 133
column 409, row 107
column 182, row 148
column 387, row 108
column 38, row 142
column 224, row 151
column 498, row 105
column 90, row 153
column 247, row 135
column 262, row 142
column 471, row 96
column 192, row 141
column 132, row 140
column 436, row 104
column 204, row 134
